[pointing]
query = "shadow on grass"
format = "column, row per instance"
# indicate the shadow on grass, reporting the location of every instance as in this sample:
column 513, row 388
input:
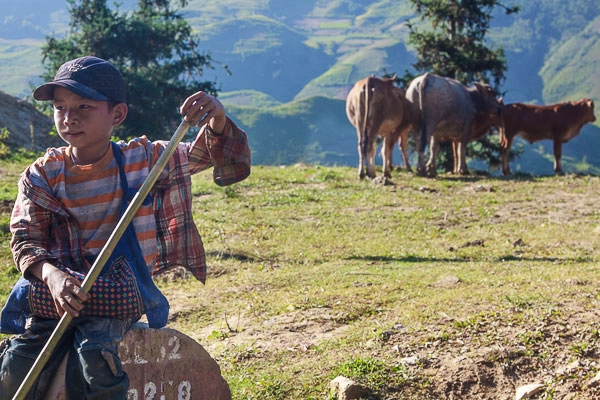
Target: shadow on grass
column 477, row 176
column 225, row 255
column 507, row 258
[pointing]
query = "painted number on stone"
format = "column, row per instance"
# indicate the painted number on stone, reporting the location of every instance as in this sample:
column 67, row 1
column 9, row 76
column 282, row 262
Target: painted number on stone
column 134, row 354
column 184, row 392
column 174, row 344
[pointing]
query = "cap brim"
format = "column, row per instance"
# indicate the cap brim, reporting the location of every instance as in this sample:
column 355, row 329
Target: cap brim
column 46, row 91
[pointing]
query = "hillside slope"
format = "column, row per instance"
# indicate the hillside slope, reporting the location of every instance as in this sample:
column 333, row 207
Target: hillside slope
column 27, row 127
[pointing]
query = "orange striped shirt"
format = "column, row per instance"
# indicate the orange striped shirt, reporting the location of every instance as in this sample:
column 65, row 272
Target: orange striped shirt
column 93, row 194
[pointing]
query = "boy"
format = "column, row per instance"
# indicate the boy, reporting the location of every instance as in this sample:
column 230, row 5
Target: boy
column 69, row 203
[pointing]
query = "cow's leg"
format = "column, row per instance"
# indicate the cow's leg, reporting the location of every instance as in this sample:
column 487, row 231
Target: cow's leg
column 434, row 149
column 462, row 158
column 371, row 149
column 421, row 163
column 455, row 156
column 421, row 145
column 403, row 146
column 361, row 168
column 557, row 156
column 361, row 159
column 506, row 145
column 387, row 149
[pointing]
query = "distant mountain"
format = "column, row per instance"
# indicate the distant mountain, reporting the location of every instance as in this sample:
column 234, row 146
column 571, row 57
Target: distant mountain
column 287, row 61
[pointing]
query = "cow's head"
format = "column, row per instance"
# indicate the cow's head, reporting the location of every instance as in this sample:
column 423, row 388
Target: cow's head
column 488, row 102
column 590, row 104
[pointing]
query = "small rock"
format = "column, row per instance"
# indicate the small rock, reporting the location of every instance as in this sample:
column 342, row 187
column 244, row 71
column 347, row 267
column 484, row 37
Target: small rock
column 568, row 369
column 447, row 282
column 518, row 243
column 595, row 381
column 381, row 181
column 343, row 388
column 484, row 188
column 475, row 243
column 410, row 361
column 525, row 392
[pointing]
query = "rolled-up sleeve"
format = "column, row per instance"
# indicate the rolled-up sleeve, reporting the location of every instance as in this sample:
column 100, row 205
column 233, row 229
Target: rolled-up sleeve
column 29, row 226
column 228, row 154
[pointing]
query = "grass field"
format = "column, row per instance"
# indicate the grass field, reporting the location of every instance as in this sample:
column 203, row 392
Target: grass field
column 455, row 287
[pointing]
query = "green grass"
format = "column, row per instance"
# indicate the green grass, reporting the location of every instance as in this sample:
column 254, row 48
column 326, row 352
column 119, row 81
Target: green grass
column 314, row 273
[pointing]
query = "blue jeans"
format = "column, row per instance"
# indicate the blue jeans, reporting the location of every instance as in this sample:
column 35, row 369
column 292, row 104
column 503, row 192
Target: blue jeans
column 94, row 367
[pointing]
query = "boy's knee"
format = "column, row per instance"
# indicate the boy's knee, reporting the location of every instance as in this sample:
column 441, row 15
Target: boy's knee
column 103, row 371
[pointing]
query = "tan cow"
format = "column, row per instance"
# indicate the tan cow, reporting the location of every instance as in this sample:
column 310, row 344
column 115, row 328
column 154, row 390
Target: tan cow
column 559, row 122
column 375, row 107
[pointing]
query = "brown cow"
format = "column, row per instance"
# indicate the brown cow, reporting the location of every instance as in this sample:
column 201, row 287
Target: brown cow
column 376, row 107
column 559, row 122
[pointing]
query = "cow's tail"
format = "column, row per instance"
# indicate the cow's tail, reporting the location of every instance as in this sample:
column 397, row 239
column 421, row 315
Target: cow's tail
column 364, row 134
column 423, row 136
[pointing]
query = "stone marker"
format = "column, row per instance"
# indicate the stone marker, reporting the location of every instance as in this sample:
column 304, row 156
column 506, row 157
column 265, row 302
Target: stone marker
column 162, row 364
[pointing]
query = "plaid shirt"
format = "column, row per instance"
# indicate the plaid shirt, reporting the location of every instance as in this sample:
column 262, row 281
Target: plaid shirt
column 178, row 240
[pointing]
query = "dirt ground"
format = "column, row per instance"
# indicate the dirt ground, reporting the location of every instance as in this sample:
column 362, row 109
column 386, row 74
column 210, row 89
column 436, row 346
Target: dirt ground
column 471, row 365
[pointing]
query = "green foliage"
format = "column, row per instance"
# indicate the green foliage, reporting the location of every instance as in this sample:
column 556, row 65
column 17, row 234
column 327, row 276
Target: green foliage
column 373, row 373
column 14, row 154
column 3, row 137
column 583, row 350
column 455, row 46
column 153, row 47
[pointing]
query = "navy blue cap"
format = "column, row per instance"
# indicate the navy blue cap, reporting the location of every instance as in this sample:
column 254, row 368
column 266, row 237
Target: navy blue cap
column 89, row 77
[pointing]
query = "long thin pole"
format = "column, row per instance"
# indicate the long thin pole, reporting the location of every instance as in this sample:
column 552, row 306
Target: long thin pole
column 102, row 258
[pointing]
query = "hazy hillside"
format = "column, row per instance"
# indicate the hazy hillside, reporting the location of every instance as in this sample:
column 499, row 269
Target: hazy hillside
column 300, row 137
column 321, row 47
column 279, row 54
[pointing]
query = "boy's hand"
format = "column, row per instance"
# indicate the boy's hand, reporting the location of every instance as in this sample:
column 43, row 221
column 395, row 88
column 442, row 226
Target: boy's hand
column 65, row 289
column 201, row 108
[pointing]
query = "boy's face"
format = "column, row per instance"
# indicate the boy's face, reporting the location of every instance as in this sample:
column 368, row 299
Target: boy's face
column 83, row 123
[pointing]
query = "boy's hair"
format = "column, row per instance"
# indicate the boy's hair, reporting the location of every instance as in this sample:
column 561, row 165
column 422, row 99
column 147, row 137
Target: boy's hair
column 89, row 77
